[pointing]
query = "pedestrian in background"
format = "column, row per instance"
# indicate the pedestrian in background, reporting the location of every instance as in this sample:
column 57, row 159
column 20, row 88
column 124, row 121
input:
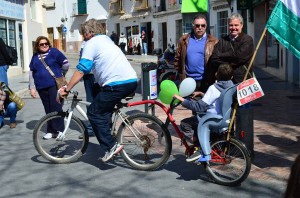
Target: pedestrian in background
column 7, row 107
column 191, row 60
column 114, row 37
column 193, row 52
column 144, row 43
column 41, row 81
column 236, row 48
column 4, row 62
column 108, row 64
column 123, row 43
column 293, row 185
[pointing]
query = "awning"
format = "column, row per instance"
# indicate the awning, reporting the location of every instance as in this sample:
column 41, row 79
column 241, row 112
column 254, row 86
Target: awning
column 191, row 6
column 130, row 16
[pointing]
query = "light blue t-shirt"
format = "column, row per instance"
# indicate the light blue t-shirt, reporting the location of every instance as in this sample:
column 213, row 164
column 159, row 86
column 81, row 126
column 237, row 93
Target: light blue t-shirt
column 106, row 60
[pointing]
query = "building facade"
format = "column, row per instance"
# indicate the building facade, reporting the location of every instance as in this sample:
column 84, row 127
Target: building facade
column 21, row 22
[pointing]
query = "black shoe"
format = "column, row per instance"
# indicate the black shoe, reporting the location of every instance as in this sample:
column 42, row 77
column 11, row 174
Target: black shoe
column 1, row 125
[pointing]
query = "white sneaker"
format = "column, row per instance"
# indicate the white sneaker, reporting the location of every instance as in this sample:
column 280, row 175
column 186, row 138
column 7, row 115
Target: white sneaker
column 113, row 151
column 49, row 136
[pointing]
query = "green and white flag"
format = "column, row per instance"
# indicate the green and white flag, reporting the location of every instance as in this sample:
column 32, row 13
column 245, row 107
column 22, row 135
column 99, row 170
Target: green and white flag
column 191, row 6
column 284, row 24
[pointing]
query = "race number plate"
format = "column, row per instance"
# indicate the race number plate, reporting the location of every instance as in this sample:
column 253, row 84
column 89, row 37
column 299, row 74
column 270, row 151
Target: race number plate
column 248, row 91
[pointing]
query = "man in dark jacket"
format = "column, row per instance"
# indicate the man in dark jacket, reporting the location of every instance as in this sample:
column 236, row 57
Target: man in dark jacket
column 237, row 48
column 193, row 52
column 4, row 62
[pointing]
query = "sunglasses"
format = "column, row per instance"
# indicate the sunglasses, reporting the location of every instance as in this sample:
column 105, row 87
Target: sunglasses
column 43, row 44
column 198, row 25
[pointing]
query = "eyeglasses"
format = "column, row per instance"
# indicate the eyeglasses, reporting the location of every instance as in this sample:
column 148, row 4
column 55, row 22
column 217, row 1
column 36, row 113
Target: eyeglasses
column 43, row 44
column 198, row 25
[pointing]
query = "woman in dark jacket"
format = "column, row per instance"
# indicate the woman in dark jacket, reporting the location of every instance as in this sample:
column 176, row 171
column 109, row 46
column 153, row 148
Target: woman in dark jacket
column 40, row 80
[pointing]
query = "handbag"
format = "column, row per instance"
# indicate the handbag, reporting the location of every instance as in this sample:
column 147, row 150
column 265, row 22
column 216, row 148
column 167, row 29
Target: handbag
column 16, row 99
column 61, row 81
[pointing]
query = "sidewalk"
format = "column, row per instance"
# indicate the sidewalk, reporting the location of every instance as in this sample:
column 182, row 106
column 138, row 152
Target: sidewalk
column 276, row 123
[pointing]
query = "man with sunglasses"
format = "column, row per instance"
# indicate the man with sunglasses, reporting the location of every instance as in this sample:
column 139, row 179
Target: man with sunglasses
column 191, row 60
column 193, row 52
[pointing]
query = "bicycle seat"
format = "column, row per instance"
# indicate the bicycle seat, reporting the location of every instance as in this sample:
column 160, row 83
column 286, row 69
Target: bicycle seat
column 219, row 121
column 130, row 96
column 216, row 122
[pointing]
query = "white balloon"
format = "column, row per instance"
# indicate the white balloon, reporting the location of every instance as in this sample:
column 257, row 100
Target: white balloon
column 187, row 87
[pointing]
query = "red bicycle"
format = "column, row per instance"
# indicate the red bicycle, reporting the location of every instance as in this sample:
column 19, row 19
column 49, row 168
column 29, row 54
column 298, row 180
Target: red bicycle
column 147, row 146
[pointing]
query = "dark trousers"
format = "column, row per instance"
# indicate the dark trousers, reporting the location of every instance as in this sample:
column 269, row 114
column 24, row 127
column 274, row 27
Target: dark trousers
column 91, row 88
column 91, row 91
column 48, row 97
column 100, row 111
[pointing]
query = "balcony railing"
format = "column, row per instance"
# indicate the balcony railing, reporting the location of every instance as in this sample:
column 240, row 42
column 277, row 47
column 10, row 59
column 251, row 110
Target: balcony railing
column 48, row 4
column 141, row 5
column 116, row 7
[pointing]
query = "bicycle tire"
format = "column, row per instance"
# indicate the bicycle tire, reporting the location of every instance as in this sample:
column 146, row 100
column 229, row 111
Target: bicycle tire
column 153, row 146
column 232, row 169
column 68, row 150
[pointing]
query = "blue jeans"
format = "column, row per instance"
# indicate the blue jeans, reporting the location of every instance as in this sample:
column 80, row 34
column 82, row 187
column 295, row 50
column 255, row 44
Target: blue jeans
column 100, row 111
column 11, row 112
column 145, row 49
column 91, row 91
column 3, row 74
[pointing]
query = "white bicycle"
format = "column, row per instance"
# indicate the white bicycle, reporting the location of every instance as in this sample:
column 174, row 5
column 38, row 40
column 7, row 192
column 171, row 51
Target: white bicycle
column 147, row 142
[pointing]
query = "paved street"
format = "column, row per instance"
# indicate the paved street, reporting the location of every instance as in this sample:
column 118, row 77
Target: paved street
column 24, row 173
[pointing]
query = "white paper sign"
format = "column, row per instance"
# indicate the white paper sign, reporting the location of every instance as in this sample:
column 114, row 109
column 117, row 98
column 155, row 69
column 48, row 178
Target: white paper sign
column 248, row 91
column 153, row 84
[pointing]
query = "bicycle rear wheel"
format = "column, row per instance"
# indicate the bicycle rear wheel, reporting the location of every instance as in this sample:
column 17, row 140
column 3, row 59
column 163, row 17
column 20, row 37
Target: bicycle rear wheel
column 230, row 168
column 67, row 150
column 147, row 143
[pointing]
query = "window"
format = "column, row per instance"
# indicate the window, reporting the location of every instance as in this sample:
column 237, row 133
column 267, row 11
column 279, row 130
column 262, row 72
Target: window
column 81, row 6
column 3, row 32
column 33, row 9
column 12, row 33
column 222, row 23
column 135, row 30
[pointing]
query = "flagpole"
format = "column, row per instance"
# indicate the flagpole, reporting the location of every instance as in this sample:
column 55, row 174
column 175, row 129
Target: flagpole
column 255, row 52
column 245, row 77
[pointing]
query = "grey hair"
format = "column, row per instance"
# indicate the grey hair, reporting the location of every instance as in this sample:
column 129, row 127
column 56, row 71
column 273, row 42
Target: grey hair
column 92, row 26
column 236, row 16
column 199, row 16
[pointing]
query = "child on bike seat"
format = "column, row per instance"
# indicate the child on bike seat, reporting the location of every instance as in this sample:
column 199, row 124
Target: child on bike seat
column 208, row 103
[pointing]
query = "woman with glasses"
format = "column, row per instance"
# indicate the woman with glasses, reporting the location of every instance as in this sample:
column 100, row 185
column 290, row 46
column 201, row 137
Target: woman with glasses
column 41, row 81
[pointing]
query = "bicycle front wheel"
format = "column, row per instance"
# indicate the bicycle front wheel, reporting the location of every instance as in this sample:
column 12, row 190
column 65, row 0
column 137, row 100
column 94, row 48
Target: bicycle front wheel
column 230, row 164
column 66, row 150
column 147, row 143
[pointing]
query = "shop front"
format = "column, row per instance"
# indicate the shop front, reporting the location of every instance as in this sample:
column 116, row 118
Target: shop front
column 11, row 20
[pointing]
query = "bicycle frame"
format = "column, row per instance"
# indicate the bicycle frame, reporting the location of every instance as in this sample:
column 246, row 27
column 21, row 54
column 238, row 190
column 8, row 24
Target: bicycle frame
column 75, row 105
column 70, row 111
column 168, row 112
